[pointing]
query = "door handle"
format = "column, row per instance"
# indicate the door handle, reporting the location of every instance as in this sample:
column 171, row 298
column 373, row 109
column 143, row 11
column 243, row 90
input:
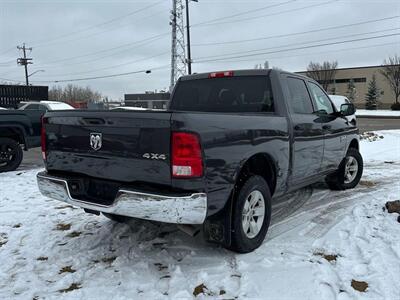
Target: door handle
column 326, row 127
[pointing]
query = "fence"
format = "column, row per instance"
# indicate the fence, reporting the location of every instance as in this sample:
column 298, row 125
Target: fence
column 12, row 95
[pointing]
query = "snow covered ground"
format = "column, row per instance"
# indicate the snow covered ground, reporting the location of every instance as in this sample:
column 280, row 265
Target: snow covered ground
column 377, row 113
column 321, row 245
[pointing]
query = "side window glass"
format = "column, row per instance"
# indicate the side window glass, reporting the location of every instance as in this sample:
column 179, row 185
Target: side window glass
column 300, row 101
column 32, row 107
column 322, row 102
column 42, row 107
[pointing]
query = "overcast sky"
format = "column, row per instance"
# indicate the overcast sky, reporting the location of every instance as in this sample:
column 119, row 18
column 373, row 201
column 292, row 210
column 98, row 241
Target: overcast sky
column 78, row 39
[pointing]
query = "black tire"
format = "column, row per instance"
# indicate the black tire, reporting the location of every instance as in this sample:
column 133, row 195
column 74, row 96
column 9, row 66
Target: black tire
column 241, row 243
column 117, row 218
column 10, row 155
column 336, row 181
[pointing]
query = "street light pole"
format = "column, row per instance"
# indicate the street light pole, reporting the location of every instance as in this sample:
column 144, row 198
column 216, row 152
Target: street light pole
column 35, row 72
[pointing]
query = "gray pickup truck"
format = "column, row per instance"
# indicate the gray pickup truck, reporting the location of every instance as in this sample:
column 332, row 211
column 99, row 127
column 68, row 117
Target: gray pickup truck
column 230, row 144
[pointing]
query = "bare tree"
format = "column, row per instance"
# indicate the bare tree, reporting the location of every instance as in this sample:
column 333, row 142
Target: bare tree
column 391, row 71
column 323, row 73
column 72, row 93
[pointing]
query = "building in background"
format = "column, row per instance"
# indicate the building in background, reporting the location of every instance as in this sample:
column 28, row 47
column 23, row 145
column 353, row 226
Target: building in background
column 148, row 100
column 361, row 77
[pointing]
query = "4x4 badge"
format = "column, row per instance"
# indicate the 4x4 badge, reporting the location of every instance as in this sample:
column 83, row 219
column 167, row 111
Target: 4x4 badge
column 154, row 156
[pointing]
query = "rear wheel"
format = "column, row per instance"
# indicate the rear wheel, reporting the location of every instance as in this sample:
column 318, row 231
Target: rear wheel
column 10, row 154
column 349, row 173
column 251, row 215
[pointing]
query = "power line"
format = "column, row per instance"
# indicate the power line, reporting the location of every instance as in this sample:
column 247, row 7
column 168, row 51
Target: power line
column 119, row 65
column 166, row 66
column 210, row 23
column 45, row 42
column 11, row 80
column 147, row 71
column 160, row 54
column 103, row 31
column 296, row 48
column 302, row 43
column 313, row 53
column 295, row 33
column 141, row 42
column 7, row 62
column 8, row 50
column 244, row 13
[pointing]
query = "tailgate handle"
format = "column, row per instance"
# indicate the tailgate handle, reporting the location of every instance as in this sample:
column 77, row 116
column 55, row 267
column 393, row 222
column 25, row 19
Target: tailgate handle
column 94, row 121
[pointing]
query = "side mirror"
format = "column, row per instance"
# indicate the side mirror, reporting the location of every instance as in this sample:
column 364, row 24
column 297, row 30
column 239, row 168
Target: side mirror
column 347, row 109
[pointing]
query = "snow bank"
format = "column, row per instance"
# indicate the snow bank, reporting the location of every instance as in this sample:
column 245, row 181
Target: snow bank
column 319, row 243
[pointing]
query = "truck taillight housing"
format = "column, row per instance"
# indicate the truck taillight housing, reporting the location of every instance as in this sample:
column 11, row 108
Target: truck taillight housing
column 187, row 160
column 43, row 138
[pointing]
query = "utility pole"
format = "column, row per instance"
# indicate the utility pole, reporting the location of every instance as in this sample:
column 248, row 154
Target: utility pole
column 189, row 55
column 178, row 57
column 24, row 61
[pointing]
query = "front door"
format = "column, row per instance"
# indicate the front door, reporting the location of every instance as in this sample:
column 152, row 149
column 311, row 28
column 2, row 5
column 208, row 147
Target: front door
column 334, row 128
column 308, row 140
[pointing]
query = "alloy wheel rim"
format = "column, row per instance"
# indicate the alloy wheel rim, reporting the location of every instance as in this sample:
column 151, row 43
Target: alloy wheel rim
column 7, row 154
column 350, row 170
column 253, row 214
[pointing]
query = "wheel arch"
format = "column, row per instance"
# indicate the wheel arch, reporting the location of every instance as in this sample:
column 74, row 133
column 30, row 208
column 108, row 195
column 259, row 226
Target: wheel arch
column 261, row 164
column 14, row 132
column 354, row 144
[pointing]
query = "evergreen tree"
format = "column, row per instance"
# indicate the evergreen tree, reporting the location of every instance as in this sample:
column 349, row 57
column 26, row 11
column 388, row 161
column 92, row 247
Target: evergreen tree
column 373, row 94
column 351, row 90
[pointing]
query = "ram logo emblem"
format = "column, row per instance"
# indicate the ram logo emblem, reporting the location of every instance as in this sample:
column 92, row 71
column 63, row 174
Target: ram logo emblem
column 96, row 141
column 155, row 156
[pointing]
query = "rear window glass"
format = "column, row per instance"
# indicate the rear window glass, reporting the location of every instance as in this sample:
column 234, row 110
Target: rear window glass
column 229, row 94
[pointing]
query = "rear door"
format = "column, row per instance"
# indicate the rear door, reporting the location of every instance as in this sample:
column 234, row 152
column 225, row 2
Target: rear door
column 308, row 143
column 126, row 146
column 34, row 112
column 334, row 128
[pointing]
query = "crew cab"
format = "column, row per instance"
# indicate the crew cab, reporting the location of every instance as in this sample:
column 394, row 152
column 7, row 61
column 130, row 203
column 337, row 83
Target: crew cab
column 228, row 146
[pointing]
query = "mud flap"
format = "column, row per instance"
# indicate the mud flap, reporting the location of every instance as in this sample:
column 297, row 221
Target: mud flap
column 217, row 228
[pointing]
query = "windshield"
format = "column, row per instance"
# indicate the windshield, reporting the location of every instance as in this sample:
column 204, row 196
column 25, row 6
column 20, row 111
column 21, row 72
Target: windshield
column 228, row 94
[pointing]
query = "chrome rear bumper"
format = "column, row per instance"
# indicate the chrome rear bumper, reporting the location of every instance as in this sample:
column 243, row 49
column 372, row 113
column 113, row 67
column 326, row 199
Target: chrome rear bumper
column 187, row 209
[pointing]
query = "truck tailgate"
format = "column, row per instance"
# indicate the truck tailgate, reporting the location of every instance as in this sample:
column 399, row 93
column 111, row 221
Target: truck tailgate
column 120, row 146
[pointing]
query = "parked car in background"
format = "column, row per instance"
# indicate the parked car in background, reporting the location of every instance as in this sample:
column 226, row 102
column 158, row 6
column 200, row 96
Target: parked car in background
column 45, row 106
column 20, row 130
column 229, row 145
column 2, row 108
column 338, row 101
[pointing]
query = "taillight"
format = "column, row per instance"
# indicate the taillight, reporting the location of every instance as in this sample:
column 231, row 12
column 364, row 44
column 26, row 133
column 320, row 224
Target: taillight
column 186, row 155
column 220, row 74
column 43, row 138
